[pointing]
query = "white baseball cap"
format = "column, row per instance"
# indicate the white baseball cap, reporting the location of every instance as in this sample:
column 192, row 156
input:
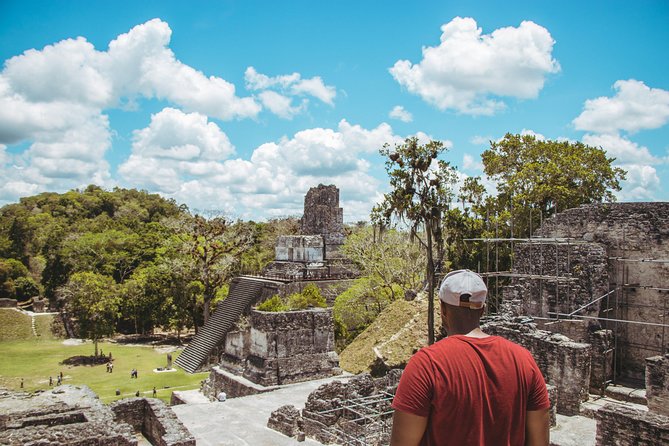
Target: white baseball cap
column 463, row 288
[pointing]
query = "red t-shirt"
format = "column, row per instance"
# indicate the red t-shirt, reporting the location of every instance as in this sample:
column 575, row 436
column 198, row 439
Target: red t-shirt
column 475, row 391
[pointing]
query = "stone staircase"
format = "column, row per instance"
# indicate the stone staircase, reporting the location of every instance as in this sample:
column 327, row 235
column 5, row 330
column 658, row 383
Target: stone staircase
column 244, row 292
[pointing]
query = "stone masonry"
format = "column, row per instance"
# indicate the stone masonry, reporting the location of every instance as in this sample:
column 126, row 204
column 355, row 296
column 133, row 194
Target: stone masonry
column 323, row 216
column 64, row 416
column 277, row 348
column 635, row 237
column 316, row 253
column 618, row 425
column 154, row 420
column 72, row 415
column 657, row 384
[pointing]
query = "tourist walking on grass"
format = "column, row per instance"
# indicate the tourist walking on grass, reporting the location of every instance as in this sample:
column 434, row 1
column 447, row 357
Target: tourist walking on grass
column 470, row 388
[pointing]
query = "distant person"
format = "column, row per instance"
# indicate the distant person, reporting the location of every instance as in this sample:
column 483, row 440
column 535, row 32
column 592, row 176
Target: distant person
column 59, row 381
column 154, row 391
column 222, row 396
column 22, row 383
column 470, row 388
column 61, row 375
column 50, row 381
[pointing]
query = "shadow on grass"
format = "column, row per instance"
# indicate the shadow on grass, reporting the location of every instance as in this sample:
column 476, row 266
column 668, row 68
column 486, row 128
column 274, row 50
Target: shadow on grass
column 85, row 360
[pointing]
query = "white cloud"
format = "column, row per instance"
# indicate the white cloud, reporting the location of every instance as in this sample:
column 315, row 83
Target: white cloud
column 469, row 163
column 398, row 112
column 622, row 149
column 276, row 91
column 642, row 183
column 279, row 104
column 271, row 183
column 176, row 146
column 634, row 107
column 55, row 99
column 469, row 67
column 537, row 136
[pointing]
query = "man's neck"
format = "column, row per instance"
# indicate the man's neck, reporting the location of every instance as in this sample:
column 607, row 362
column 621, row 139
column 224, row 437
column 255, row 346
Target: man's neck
column 477, row 333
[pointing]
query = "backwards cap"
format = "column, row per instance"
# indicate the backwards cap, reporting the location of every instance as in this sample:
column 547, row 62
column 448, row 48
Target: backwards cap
column 463, row 288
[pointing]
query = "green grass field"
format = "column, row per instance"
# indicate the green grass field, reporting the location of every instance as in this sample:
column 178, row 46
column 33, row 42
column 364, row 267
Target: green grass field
column 34, row 359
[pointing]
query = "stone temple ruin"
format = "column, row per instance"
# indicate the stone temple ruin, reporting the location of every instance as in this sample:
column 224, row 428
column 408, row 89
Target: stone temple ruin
column 254, row 351
column 587, row 295
column 70, row 415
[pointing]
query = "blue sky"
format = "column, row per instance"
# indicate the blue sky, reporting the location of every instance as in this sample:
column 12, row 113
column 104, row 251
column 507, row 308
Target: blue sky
column 241, row 106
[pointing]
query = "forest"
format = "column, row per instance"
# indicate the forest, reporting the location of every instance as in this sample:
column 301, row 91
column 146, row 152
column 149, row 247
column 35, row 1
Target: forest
column 130, row 261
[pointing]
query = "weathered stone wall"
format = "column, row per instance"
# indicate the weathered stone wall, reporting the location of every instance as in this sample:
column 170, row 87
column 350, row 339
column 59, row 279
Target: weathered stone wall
column 299, row 248
column 327, row 419
column 279, row 348
column 323, row 216
column 154, row 420
column 64, row 416
column 581, row 266
column 636, row 238
column 565, row 364
column 618, row 425
column 657, row 384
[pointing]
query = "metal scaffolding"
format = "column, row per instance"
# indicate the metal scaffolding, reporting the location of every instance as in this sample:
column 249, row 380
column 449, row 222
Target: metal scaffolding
column 365, row 420
column 615, row 304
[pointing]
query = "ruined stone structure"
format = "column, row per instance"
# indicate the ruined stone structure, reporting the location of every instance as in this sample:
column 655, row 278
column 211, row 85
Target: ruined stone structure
column 323, row 216
column 356, row 412
column 605, row 265
column 271, row 349
column 618, row 425
column 312, row 258
column 316, row 253
column 69, row 415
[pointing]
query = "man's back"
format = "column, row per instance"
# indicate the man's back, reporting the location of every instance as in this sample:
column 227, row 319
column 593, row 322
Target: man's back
column 474, row 391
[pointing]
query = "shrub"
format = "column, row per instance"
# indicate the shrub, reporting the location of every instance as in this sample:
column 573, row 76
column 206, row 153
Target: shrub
column 310, row 296
column 273, row 304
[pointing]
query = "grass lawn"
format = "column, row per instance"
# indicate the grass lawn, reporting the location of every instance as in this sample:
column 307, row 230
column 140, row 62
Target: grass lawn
column 35, row 360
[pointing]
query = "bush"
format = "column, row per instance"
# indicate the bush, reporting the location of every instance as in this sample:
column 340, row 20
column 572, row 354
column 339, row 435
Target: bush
column 273, row 304
column 310, row 296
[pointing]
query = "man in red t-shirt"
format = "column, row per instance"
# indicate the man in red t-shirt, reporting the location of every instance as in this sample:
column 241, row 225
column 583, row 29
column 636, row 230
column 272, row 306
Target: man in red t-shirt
column 470, row 388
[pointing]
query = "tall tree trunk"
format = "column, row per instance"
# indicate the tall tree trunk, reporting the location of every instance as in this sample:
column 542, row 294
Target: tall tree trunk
column 430, row 284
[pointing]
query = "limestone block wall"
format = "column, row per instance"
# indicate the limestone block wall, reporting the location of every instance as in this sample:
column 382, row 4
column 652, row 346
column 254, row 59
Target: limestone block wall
column 154, row 420
column 636, row 238
column 657, row 384
column 618, row 425
column 323, row 216
column 582, row 267
column 299, row 248
column 65, row 415
column 565, row 364
column 284, row 347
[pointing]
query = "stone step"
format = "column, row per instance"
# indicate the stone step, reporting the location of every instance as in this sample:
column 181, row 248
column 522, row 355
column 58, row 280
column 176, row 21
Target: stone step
column 243, row 292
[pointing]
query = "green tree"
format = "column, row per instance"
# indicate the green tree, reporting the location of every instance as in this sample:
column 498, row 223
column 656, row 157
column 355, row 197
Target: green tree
column 215, row 247
column 421, row 191
column 547, row 176
column 393, row 259
column 93, row 300
column 358, row 306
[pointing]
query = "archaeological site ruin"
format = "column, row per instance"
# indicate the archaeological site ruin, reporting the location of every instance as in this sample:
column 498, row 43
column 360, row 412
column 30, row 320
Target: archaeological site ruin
column 586, row 293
